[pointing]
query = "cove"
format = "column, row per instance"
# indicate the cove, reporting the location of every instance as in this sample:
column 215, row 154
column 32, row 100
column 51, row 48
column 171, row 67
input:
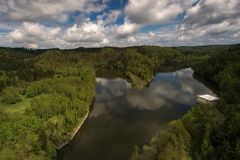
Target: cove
column 123, row 116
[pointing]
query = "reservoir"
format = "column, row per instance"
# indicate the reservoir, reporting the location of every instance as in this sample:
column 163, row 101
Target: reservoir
column 123, row 116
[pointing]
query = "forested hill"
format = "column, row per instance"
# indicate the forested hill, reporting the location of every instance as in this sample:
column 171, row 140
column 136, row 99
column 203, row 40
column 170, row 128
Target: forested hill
column 206, row 132
column 136, row 64
column 43, row 98
column 44, row 95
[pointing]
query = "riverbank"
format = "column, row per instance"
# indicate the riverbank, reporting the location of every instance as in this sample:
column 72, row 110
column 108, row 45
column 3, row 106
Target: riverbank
column 213, row 86
column 77, row 128
column 74, row 132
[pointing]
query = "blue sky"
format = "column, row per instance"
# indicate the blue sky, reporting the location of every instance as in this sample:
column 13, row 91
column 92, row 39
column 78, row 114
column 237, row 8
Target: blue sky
column 96, row 23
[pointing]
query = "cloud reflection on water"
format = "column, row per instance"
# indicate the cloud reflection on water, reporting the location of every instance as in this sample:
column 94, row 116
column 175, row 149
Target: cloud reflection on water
column 166, row 90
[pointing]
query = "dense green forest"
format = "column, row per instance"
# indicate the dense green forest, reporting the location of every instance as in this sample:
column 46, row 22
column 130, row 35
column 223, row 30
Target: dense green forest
column 139, row 64
column 209, row 132
column 44, row 94
column 43, row 97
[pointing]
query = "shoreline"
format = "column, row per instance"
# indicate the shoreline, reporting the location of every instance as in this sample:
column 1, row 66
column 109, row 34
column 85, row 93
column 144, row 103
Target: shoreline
column 74, row 132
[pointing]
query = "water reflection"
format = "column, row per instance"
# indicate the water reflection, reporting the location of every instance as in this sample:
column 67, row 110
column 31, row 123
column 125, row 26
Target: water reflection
column 166, row 90
column 123, row 116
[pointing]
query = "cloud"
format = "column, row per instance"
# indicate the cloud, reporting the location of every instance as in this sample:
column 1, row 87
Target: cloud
column 71, row 24
column 125, row 30
column 32, row 45
column 132, row 40
column 86, row 32
column 154, row 11
column 33, row 33
column 210, row 21
column 110, row 17
column 152, row 34
column 32, row 10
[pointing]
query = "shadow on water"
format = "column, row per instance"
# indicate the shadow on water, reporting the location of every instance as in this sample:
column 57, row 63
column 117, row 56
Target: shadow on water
column 123, row 117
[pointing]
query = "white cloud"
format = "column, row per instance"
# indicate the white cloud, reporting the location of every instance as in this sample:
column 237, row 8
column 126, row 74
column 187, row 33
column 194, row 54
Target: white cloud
column 237, row 35
column 33, row 33
column 132, row 40
column 105, row 42
column 112, row 17
column 61, row 18
column 125, row 30
column 32, row 45
column 86, row 32
column 155, row 11
column 211, row 21
column 30, row 24
column 32, row 10
column 152, row 34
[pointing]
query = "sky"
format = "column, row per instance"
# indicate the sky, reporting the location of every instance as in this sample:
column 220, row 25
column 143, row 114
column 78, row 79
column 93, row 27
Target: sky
column 69, row 24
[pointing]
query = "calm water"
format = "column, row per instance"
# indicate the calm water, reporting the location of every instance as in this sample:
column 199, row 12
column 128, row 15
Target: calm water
column 123, row 117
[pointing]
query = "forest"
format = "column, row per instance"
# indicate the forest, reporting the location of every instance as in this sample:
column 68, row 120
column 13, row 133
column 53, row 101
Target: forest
column 44, row 94
column 209, row 132
column 43, row 98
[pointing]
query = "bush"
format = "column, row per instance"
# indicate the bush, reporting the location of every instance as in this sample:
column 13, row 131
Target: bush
column 10, row 95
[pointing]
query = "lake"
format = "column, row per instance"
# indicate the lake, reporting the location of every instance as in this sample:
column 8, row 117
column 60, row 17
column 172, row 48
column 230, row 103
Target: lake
column 123, row 116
